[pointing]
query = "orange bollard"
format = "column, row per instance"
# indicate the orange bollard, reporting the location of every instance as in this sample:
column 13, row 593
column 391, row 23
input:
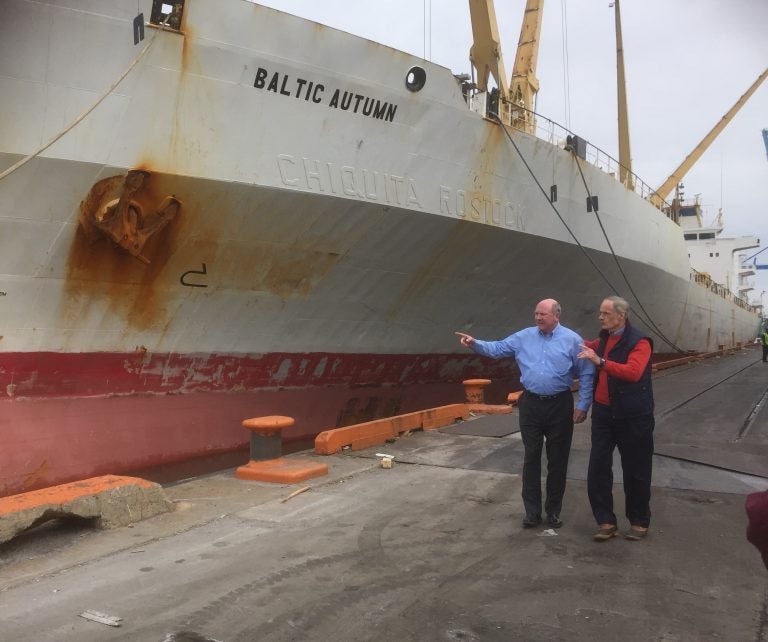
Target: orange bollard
column 267, row 463
column 474, row 389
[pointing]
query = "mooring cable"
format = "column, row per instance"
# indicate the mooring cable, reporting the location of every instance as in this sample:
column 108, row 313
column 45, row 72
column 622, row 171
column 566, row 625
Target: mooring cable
column 71, row 125
column 551, row 204
column 649, row 319
column 573, row 236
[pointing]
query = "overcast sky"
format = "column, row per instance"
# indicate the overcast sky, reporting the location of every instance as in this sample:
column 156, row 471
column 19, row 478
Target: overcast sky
column 687, row 62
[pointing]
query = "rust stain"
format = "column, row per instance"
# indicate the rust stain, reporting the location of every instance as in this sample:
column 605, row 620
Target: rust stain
column 492, row 152
column 298, row 272
column 97, row 269
column 215, row 226
column 180, row 146
column 186, row 46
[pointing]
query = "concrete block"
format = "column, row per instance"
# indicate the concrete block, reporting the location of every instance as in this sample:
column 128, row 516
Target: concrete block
column 109, row 500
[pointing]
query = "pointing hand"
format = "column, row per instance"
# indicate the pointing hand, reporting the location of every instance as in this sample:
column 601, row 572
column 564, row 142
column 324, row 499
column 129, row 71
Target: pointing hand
column 588, row 353
column 465, row 339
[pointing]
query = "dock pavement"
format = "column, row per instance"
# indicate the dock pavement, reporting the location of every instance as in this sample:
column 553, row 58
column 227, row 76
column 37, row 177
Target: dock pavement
column 431, row 549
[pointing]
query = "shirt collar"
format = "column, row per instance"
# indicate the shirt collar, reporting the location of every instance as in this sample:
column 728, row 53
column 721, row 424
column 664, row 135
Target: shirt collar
column 550, row 334
column 618, row 332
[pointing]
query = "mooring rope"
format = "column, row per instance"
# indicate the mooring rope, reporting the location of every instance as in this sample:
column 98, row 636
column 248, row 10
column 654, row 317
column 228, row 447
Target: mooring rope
column 74, row 123
column 647, row 321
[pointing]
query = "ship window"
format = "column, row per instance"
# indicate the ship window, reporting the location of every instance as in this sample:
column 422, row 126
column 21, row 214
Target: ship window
column 707, row 235
column 690, row 237
column 415, row 79
column 710, row 254
column 717, row 253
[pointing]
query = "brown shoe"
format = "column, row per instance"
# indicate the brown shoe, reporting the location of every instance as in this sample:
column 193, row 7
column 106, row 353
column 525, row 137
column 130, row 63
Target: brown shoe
column 606, row 532
column 636, row 533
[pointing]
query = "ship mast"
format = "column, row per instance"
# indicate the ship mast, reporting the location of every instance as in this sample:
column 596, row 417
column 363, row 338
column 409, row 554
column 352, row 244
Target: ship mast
column 625, row 155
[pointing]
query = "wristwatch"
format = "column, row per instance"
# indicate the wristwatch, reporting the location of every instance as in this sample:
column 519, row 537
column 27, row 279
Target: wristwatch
column 602, row 363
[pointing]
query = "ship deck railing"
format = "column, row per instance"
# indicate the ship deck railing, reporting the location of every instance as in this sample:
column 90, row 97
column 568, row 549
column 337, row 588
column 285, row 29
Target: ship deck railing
column 705, row 281
column 556, row 134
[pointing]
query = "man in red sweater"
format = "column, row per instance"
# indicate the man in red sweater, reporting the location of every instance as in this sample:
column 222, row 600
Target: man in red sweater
column 622, row 416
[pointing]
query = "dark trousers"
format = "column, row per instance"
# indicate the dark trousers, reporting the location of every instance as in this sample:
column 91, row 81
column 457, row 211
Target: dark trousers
column 765, row 352
column 634, row 439
column 550, row 420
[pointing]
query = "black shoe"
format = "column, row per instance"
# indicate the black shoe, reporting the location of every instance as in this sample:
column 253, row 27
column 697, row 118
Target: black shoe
column 531, row 521
column 554, row 521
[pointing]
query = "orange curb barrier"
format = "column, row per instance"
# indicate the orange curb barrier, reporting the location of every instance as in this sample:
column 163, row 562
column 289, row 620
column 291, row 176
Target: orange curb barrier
column 379, row 431
column 65, row 493
column 267, row 463
column 490, row 409
column 700, row 356
column 673, row 363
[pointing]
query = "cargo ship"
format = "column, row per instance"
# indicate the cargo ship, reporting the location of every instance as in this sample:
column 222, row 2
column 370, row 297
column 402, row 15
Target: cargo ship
column 215, row 210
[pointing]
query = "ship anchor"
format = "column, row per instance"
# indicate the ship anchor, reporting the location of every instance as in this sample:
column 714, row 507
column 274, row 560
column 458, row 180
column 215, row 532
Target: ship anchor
column 124, row 222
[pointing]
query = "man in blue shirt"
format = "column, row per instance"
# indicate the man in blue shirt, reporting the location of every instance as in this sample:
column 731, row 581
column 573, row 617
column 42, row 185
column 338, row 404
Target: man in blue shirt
column 547, row 355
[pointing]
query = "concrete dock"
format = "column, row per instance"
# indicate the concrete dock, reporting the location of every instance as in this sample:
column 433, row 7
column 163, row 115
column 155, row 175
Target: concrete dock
column 431, row 549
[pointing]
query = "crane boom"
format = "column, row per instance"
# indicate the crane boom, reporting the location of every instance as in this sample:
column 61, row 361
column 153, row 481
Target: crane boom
column 518, row 98
column 525, row 85
column 485, row 53
column 657, row 198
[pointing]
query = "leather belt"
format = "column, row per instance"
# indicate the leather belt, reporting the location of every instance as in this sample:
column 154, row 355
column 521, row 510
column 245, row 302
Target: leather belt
column 557, row 395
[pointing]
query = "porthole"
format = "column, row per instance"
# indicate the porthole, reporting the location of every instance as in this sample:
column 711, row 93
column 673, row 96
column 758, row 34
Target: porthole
column 415, row 78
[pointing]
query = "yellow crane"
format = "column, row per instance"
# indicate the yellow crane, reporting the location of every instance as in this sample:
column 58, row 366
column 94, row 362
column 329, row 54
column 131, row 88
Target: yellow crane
column 625, row 155
column 657, row 198
column 516, row 99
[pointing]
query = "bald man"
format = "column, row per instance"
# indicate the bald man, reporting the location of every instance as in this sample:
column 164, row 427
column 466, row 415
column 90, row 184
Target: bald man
column 547, row 355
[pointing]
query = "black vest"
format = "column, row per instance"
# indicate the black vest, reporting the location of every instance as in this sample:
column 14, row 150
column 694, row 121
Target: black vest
column 628, row 399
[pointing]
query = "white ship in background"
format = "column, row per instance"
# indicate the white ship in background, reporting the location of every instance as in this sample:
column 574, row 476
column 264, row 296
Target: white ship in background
column 247, row 213
column 720, row 261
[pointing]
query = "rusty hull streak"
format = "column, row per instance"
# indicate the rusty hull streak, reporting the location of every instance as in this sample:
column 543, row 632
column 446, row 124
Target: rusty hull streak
column 177, row 148
column 98, row 269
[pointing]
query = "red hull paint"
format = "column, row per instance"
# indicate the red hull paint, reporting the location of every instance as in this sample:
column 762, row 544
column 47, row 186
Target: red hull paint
column 73, row 416
column 55, row 374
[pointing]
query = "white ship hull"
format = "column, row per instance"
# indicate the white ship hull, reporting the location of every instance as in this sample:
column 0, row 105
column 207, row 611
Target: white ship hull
column 324, row 248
